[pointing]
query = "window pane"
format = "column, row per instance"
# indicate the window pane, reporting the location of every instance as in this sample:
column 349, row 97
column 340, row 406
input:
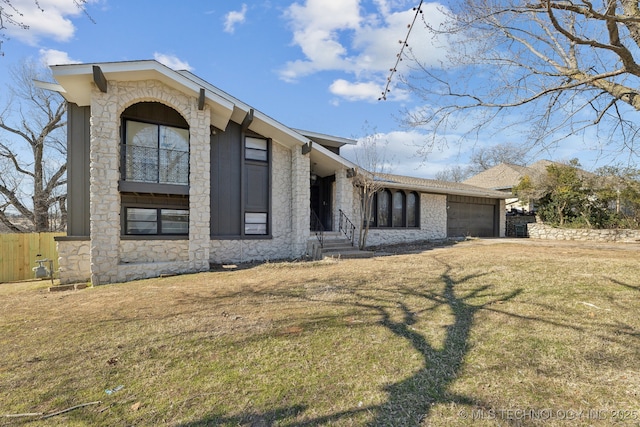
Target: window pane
column 411, row 210
column 141, row 221
column 174, row 167
column 174, row 155
column 174, row 139
column 256, row 143
column 255, row 149
column 255, row 223
column 149, row 159
column 142, row 164
column 398, row 206
column 175, row 221
column 141, row 152
column 383, row 208
column 142, row 134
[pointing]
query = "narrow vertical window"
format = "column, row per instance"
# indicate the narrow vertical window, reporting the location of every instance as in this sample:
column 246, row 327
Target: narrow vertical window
column 384, row 205
column 412, row 210
column 398, row 209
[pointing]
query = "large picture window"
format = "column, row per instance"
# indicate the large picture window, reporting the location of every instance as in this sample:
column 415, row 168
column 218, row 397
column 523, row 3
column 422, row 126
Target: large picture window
column 156, row 153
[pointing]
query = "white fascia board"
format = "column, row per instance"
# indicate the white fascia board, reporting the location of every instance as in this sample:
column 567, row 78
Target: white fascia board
column 335, row 157
column 332, row 141
column 262, row 123
column 488, row 194
column 49, row 86
column 326, row 162
column 76, row 79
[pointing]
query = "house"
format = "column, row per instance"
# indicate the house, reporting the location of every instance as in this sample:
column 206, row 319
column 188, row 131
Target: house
column 168, row 174
column 505, row 176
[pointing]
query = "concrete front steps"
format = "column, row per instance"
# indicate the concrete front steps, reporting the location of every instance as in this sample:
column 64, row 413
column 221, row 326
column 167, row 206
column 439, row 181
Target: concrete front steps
column 336, row 245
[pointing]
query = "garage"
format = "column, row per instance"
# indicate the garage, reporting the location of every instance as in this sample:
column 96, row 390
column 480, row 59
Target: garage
column 472, row 216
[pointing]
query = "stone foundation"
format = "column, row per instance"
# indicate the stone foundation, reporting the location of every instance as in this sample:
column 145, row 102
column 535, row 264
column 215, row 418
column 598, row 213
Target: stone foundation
column 74, row 260
column 543, row 231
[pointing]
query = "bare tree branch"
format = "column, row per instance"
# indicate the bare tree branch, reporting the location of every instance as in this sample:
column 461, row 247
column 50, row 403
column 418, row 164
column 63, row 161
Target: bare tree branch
column 566, row 65
column 33, row 177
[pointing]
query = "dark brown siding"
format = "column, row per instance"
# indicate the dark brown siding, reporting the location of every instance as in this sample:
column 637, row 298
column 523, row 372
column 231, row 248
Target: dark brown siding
column 226, row 160
column 78, row 170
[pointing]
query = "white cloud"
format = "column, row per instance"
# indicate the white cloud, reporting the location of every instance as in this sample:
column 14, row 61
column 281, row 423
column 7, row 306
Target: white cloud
column 234, row 17
column 406, row 155
column 355, row 91
column 172, row 61
column 56, row 57
column 341, row 35
column 51, row 20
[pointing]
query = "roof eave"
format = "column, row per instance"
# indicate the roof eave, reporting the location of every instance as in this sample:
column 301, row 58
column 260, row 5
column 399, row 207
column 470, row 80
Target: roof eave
column 77, row 80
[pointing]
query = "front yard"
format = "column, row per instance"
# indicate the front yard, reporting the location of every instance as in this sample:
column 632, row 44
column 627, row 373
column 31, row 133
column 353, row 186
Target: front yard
column 478, row 333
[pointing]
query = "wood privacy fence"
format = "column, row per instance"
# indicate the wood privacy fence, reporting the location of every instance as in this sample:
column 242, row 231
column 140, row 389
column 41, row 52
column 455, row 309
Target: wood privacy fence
column 18, row 252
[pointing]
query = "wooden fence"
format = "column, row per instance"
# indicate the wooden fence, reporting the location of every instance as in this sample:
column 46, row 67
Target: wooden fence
column 18, row 252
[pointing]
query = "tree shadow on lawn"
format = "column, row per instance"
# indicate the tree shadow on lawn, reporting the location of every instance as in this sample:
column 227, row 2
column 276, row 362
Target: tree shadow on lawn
column 409, row 401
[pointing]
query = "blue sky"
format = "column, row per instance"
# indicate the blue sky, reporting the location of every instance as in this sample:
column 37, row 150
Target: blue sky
column 318, row 65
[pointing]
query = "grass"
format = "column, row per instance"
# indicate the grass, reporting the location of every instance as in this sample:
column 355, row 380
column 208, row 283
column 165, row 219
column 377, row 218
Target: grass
column 481, row 333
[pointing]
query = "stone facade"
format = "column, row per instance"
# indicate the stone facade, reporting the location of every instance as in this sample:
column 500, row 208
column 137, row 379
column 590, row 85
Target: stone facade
column 74, row 260
column 290, row 215
column 433, row 224
column 542, row 231
column 143, row 251
column 106, row 109
column 106, row 258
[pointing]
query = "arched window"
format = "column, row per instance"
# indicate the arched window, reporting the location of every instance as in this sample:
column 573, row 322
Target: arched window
column 412, row 210
column 398, row 209
column 156, row 145
column 154, row 183
column 384, row 208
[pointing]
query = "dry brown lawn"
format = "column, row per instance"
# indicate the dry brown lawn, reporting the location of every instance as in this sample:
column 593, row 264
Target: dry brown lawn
column 484, row 332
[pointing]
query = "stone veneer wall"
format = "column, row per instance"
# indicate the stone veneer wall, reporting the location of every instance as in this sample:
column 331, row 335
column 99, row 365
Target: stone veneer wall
column 107, row 259
column 346, row 197
column 106, row 108
column 543, row 231
column 137, row 251
column 433, row 224
column 290, row 215
column 74, row 260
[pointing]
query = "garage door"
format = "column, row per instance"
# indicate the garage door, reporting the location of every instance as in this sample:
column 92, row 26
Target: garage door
column 471, row 216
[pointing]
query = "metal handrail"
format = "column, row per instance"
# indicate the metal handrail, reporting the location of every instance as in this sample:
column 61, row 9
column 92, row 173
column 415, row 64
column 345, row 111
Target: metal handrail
column 316, row 225
column 346, row 226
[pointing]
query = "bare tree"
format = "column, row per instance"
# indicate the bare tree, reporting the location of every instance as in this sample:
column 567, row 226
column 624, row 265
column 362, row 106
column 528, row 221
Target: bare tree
column 455, row 173
column 370, row 156
column 32, row 154
column 566, row 65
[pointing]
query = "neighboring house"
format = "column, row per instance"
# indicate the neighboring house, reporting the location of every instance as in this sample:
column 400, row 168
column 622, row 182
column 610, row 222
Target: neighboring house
column 505, row 176
column 167, row 174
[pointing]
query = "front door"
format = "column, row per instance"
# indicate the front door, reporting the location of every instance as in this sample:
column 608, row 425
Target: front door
column 321, row 203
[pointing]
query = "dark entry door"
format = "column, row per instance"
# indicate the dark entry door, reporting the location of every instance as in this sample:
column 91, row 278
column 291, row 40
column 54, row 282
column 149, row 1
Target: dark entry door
column 321, row 203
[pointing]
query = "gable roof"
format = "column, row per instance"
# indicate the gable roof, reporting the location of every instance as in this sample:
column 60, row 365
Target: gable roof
column 438, row 187
column 505, row 176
